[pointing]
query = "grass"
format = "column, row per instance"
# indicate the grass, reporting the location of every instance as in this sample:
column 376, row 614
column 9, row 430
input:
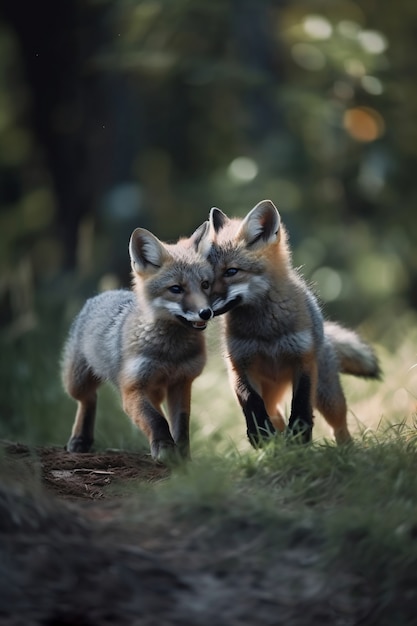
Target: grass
column 354, row 508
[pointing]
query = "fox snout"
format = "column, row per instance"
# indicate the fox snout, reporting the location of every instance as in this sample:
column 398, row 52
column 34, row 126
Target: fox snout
column 190, row 319
column 226, row 301
column 206, row 314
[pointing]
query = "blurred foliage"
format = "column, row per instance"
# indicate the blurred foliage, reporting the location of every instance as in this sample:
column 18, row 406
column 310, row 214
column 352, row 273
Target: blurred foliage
column 114, row 115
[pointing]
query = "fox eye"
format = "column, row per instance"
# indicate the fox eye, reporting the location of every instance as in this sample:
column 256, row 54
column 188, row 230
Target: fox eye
column 232, row 271
column 175, row 289
column 205, row 284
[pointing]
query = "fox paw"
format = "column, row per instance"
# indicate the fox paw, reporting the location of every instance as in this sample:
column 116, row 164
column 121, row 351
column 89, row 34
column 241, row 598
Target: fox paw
column 79, row 444
column 166, row 453
column 343, row 437
column 299, row 433
column 261, row 436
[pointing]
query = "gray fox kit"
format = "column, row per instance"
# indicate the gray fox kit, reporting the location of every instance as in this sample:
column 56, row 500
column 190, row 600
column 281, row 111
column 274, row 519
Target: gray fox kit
column 274, row 330
column 147, row 341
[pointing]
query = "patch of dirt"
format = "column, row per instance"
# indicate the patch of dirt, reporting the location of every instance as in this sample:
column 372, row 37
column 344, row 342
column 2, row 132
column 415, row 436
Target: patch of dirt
column 68, row 557
column 70, row 476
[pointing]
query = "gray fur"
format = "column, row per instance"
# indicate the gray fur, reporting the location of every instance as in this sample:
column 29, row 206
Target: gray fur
column 274, row 330
column 96, row 335
column 148, row 342
column 355, row 356
column 100, row 339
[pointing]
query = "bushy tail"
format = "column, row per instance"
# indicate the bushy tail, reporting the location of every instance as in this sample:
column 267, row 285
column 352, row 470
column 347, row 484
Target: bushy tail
column 356, row 357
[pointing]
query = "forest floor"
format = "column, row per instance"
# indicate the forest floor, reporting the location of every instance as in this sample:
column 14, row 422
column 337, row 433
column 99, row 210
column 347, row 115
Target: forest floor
column 81, row 544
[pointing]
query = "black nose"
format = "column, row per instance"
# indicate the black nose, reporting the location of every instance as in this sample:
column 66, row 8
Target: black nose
column 205, row 314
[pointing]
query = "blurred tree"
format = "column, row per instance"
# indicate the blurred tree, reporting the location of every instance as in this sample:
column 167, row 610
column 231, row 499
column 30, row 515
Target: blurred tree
column 52, row 62
column 148, row 111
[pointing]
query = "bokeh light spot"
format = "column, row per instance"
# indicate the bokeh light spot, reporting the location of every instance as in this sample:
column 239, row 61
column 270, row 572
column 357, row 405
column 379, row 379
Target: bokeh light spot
column 308, row 57
column 317, row 27
column 243, row 169
column 372, row 41
column 364, row 123
column 329, row 283
column 381, row 274
column 354, row 67
column 372, row 85
column 348, row 29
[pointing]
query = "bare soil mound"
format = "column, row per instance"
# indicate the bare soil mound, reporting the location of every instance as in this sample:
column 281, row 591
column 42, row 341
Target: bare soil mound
column 92, row 476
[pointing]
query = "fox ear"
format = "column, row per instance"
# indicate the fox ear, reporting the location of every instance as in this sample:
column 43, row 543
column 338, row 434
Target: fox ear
column 198, row 235
column 146, row 251
column 261, row 225
column 205, row 235
column 217, row 219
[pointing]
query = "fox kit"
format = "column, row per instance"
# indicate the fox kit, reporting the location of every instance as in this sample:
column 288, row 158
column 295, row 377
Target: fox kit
column 147, row 341
column 274, row 331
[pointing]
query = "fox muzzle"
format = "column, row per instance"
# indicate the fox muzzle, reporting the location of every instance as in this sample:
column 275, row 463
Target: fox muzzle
column 205, row 314
column 220, row 309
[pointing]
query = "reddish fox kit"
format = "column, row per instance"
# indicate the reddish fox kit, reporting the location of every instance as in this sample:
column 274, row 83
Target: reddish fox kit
column 274, row 331
column 148, row 342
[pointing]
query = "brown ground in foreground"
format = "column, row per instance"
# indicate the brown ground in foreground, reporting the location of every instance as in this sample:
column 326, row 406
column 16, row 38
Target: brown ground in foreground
column 70, row 554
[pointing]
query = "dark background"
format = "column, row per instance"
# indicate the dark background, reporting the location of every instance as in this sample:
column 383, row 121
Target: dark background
column 122, row 114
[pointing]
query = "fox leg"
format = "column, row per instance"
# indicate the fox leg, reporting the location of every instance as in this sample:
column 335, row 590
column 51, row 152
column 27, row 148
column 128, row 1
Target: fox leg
column 82, row 435
column 272, row 394
column 331, row 403
column 145, row 411
column 82, row 385
column 300, row 423
column 259, row 427
column 179, row 402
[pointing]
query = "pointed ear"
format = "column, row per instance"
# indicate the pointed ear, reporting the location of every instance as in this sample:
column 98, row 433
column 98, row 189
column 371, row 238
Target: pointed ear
column 146, row 251
column 206, row 233
column 217, row 219
column 261, row 225
column 198, row 235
